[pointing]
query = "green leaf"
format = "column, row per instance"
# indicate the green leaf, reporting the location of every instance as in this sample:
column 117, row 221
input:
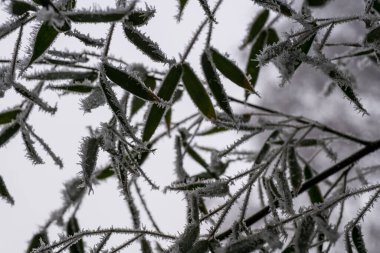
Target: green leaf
column 12, row 24
column 207, row 10
column 197, row 92
column 165, row 92
column 72, row 88
column 140, row 17
column 194, row 154
column 200, row 246
column 44, row 38
column 35, row 241
column 373, row 35
column 314, row 192
column 129, row 83
column 357, row 238
column 18, row 8
column 72, row 227
column 138, row 103
column 105, row 173
column 316, row 3
column 294, row 169
column 8, row 116
column 253, row 67
column 229, row 69
column 8, row 132
column 278, row 6
column 272, row 36
column 181, row 6
column 4, row 193
column 145, row 246
column 255, row 28
column 214, row 83
column 90, row 16
column 144, row 43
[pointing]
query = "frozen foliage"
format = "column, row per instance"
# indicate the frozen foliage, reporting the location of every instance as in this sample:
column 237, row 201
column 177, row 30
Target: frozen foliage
column 274, row 196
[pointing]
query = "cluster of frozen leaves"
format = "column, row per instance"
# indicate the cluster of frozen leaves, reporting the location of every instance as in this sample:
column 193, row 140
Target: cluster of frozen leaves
column 279, row 170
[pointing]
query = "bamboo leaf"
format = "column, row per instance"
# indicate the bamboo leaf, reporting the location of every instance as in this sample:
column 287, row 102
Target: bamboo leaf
column 181, row 6
column 278, row 6
column 92, row 101
column 165, row 92
column 129, row 82
column 89, row 154
column 72, row 227
column 214, row 83
column 144, row 43
column 35, row 242
column 138, row 103
column 34, row 98
column 19, row 8
column 168, row 120
column 230, row 70
column 97, row 16
column 9, row 115
column 272, row 36
column 253, row 67
column 197, row 92
column 31, row 152
column 200, row 246
column 140, row 17
column 8, row 132
column 357, row 238
column 44, row 38
column 12, row 25
column 255, row 27
column 294, row 169
column 212, row 130
column 266, row 147
column 314, row 192
column 63, row 75
column 373, row 35
column 105, row 173
column 72, row 88
column 4, row 193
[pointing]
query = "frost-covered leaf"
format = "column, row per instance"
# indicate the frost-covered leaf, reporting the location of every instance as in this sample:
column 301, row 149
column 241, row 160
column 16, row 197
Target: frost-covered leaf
column 31, row 152
column 214, row 83
column 72, row 88
column 253, row 67
column 294, row 169
column 4, row 193
column 230, row 70
column 266, row 147
column 8, row 132
column 314, row 192
column 35, row 242
column 181, row 6
column 43, row 39
column 18, row 8
column 78, row 76
column 92, row 101
column 279, row 6
column 197, row 92
column 129, row 82
column 89, row 154
column 11, row 25
column 138, row 103
column 373, row 36
column 33, row 97
column 140, row 17
column 255, row 27
column 212, row 130
column 304, row 235
column 72, row 227
column 97, row 16
column 9, row 115
column 86, row 38
column 357, row 239
column 166, row 91
column 144, row 43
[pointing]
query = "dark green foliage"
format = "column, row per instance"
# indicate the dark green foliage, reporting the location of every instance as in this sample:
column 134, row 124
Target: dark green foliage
column 45, row 36
column 197, row 92
column 255, row 28
column 19, row 8
column 4, row 193
column 36, row 239
column 9, row 115
column 72, row 227
column 357, row 239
